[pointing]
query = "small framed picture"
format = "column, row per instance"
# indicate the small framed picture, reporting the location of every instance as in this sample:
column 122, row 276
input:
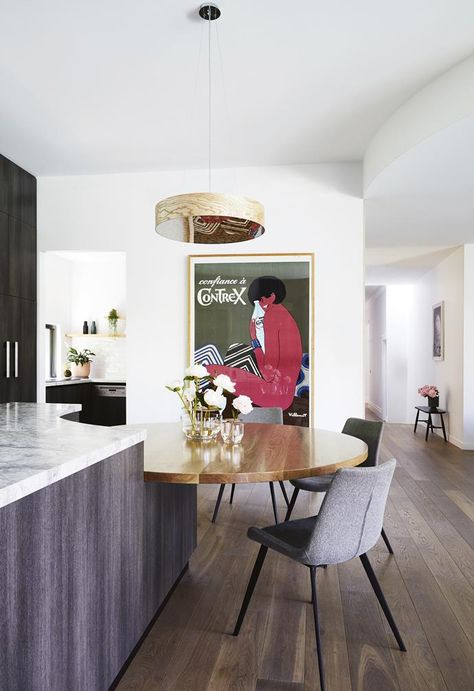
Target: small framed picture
column 438, row 331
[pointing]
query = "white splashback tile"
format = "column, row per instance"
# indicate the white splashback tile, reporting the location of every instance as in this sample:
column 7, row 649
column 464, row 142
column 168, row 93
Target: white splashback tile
column 110, row 356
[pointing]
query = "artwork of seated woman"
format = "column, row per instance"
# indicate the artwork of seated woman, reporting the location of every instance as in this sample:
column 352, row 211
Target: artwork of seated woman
column 276, row 344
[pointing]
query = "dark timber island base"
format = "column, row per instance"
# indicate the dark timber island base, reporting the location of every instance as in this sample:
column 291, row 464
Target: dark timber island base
column 85, row 563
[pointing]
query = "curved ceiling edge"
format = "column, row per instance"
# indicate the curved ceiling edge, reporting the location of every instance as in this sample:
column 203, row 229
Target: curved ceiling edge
column 444, row 101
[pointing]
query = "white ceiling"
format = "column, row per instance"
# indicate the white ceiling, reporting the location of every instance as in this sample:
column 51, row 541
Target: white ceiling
column 426, row 196
column 109, row 86
column 401, row 265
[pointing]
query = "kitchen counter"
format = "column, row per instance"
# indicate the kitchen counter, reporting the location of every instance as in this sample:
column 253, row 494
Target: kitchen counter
column 89, row 552
column 38, row 448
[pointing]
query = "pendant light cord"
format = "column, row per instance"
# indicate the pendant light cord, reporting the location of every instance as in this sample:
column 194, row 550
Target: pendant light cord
column 210, row 96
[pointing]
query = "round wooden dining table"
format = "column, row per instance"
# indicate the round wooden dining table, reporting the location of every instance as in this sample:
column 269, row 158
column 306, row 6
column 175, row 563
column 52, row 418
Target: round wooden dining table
column 267, row 453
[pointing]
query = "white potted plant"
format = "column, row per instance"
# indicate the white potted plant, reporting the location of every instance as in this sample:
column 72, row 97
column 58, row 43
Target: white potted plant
column 80, row 362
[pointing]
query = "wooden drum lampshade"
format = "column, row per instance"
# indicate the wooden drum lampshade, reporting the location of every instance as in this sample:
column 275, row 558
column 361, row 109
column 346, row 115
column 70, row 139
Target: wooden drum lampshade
column 209, row 218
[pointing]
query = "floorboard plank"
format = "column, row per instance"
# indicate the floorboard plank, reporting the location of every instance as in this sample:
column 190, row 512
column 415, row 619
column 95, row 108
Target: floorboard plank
column 444, row 634
column 454, row 586
column 464, row 503
column 416, row 669
column 371, row 665
column 459, row 550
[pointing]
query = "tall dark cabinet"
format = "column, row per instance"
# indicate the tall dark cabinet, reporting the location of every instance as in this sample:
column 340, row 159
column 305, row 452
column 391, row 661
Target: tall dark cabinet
column 17, row 283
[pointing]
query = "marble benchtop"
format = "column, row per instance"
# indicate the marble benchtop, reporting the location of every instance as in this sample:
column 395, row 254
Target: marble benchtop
column 38, row 448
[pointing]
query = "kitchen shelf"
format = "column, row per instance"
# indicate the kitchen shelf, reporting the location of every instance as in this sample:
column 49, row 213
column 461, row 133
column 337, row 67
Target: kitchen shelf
column 81, row 335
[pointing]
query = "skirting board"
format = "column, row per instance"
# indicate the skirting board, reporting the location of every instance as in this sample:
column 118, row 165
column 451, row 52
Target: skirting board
column 377, row 410
column 463, row 445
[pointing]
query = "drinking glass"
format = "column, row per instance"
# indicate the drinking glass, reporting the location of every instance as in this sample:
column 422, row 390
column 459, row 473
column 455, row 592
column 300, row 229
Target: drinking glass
column 232, row 431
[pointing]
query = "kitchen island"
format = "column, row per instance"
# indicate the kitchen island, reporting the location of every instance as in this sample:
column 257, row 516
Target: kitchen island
column 88, row 551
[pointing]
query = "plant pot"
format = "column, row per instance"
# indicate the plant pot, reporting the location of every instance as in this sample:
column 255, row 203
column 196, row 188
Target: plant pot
column 82, row 371
column 433, row 402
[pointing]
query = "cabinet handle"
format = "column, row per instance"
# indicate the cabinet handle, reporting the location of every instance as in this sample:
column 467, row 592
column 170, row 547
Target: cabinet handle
column 7, row 359
column 16, row 359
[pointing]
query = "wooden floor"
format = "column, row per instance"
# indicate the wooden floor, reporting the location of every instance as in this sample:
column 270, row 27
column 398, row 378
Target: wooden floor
column 429, row 584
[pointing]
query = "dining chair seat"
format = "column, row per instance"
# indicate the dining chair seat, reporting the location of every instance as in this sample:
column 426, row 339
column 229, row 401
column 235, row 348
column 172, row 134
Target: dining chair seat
column 288, row 538
column 321, row 483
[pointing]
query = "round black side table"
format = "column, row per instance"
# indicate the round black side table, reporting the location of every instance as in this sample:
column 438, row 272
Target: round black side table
column 429, row 420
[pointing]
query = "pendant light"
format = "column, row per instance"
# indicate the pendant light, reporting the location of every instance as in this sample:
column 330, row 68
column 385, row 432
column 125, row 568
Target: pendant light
column 209, row 217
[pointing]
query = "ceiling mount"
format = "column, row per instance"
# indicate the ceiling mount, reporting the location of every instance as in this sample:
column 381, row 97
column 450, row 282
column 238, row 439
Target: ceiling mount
column 209, row 11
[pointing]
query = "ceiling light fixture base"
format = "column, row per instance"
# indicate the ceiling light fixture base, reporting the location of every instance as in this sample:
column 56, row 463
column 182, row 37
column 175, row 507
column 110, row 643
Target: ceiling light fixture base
column 209, row 11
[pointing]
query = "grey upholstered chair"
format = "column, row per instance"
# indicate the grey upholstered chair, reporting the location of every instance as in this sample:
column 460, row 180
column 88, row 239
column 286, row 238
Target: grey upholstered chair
column 369, row 431
column 347, row 526
column 268, row 416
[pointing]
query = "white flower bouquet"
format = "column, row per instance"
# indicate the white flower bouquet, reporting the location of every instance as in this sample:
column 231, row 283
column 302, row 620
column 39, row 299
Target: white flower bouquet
column 203, row 399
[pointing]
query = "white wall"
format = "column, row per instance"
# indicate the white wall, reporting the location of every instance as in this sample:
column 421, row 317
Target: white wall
column 55, row 300
column 375, row 315
column 389, row 313
column 313, row 208
column 410, row 364
column 444, row 282
column 83, row 286
column 468, row 347
column 400, row 315
column 99, row 283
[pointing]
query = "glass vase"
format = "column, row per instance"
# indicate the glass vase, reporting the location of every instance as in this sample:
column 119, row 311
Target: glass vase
column 201, row 424
column 113, row 327
column 232, row 431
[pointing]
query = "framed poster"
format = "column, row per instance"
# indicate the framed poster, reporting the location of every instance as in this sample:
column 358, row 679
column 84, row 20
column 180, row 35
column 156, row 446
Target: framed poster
column 251, row 317
column 438, row 331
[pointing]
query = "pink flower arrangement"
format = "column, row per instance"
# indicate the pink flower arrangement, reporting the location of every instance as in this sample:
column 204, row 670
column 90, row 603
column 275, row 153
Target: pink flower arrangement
column 428, row 391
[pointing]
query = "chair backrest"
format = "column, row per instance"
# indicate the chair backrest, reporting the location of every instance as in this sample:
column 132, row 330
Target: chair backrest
column 351, row 516
column 369, row 431
column 269, row 416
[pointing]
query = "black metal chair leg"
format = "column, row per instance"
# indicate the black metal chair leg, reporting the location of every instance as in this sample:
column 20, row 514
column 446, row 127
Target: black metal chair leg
column 428, row 426
column 232, row 493
column 387, row 541
column 314, row 600
column 218, row 503
column 272, row 492
column 381, row 598
column 292, row 503
column 250, row 588
column 283, row 491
